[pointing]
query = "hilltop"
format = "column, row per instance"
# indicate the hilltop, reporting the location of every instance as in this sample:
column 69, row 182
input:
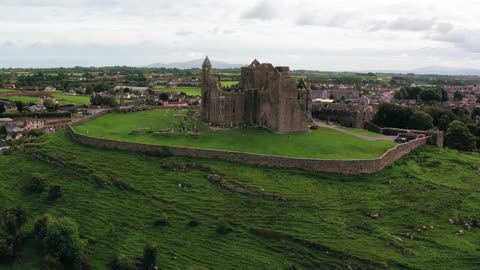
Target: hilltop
column 269, row 218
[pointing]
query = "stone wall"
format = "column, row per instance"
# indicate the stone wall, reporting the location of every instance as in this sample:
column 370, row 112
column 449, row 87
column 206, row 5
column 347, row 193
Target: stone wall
column 313, row 165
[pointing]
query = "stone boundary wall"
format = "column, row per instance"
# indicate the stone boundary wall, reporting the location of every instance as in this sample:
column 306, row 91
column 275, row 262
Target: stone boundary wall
column 314, row 165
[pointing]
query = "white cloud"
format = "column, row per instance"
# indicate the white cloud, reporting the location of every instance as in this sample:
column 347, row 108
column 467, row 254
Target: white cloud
column 327, row 34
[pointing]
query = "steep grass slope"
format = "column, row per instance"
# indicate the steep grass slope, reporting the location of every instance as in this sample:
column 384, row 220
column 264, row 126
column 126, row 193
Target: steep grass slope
column 279, row 218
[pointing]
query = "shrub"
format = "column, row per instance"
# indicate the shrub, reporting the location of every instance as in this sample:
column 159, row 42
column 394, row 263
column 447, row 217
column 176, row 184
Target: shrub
column 7, row 246
column 14, row 218
column 163, row 221
column 82, row 262
column 194, row 222
column 40, row 226
column 122, row 262
column 149, row 257
column 55, row 192
column 35, row 133
column 36, row 184
column 224, row 226
column 459, row 137
column 51, row 263
column 62, row 239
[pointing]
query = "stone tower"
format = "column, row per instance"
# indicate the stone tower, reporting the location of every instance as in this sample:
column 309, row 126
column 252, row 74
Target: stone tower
column 266, row 96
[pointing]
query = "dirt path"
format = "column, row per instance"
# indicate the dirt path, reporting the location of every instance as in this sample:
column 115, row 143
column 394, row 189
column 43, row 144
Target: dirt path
column 368, row 138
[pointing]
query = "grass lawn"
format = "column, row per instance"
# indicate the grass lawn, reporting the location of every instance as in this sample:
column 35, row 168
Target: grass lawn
column 62, row 99
column 190, row 91
column 323, row 143
column 3, row 90
column 322, row 224
column 228, row 83
column 24, row 99
column 76, row 100
column 362, row 132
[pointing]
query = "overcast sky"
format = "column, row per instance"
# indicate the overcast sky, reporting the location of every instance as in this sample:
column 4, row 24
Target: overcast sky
column 311, row 34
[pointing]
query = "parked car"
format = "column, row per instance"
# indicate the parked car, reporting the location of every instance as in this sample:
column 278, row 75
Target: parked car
column 400, row 139
column 405, row 137
column 421, row 136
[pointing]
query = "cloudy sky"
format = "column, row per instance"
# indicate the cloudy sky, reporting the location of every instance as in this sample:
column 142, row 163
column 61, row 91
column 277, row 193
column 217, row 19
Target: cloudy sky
column 312, row 34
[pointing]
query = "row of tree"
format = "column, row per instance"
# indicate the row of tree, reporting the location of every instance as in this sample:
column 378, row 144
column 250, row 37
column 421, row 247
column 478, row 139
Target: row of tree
column 461, row 131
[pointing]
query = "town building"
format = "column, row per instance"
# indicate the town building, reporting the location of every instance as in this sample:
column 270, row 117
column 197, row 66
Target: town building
column 30, row 124
column 266, row 96
column 348, row 115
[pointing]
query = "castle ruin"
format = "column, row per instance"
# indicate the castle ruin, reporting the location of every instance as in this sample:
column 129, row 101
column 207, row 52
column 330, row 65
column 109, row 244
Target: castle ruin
column 266, row 96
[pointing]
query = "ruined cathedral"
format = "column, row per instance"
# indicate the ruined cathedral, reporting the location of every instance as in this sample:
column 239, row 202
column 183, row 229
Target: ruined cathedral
column 266, row 96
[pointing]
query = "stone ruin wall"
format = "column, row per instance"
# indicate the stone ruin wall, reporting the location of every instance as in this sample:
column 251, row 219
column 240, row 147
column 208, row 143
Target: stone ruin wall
column 354, row 167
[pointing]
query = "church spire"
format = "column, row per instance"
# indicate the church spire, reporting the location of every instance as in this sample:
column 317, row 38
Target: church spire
column 206, row 63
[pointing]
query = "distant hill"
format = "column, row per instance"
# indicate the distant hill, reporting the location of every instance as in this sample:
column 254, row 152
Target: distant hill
column 434, row 70
column 194, row 64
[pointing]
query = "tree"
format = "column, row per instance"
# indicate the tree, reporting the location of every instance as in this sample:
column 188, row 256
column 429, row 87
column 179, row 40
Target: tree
column 55, row 192
column 475, row 112
column 421, row 121
column 459, row 137
column 50, row 105
column 149, row 257
column 2, row 108
column 443, row 122
column 20, row 106
column 457, row 96
column 164, row 96
column 392, row 115
column 444, row 95
column 429, row 96
column 36, row 183
column 62, row 239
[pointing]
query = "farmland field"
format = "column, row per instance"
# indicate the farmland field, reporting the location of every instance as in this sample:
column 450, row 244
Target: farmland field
column 322, row 222
column 228, row 83
column 190, row 91
column 324, row 143
column 3, row 90
column 62, row 99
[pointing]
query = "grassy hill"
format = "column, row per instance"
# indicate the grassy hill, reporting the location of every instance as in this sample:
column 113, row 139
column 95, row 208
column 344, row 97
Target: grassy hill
column 144, row 126
column 288, row 217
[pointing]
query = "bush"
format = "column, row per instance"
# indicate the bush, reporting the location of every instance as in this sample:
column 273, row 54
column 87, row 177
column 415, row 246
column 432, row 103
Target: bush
column 40, row 226
column 194, row 222
column 35, row 132
column 82, row 262
column 122, row 262
column 459, row 137
column 224, row 226
column 163, row 221
column 51, row 263
column 36, row 184
column 14, row 218
column 7, row 246
column 54, row 193
column 62, row 239
column 149, row 257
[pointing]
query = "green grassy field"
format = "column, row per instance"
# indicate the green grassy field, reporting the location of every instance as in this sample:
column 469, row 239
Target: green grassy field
column 323, row 143
column 362, row 132
column 190, row 91
column 228, row 83
column 76, row 100
column 321, row 224
column 3, row 90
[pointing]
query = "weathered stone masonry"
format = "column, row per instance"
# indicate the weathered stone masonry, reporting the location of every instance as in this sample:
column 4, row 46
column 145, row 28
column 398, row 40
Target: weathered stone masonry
column 266, row 96
column 313, row 165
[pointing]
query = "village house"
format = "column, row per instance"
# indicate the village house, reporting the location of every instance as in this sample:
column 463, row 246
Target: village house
column 50, row 89
column 348, row 115
column 9, row 86
column 3, row 145
column 34, row 123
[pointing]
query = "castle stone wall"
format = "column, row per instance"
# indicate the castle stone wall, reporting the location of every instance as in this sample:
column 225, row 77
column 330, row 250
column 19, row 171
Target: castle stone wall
column 313, row 165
